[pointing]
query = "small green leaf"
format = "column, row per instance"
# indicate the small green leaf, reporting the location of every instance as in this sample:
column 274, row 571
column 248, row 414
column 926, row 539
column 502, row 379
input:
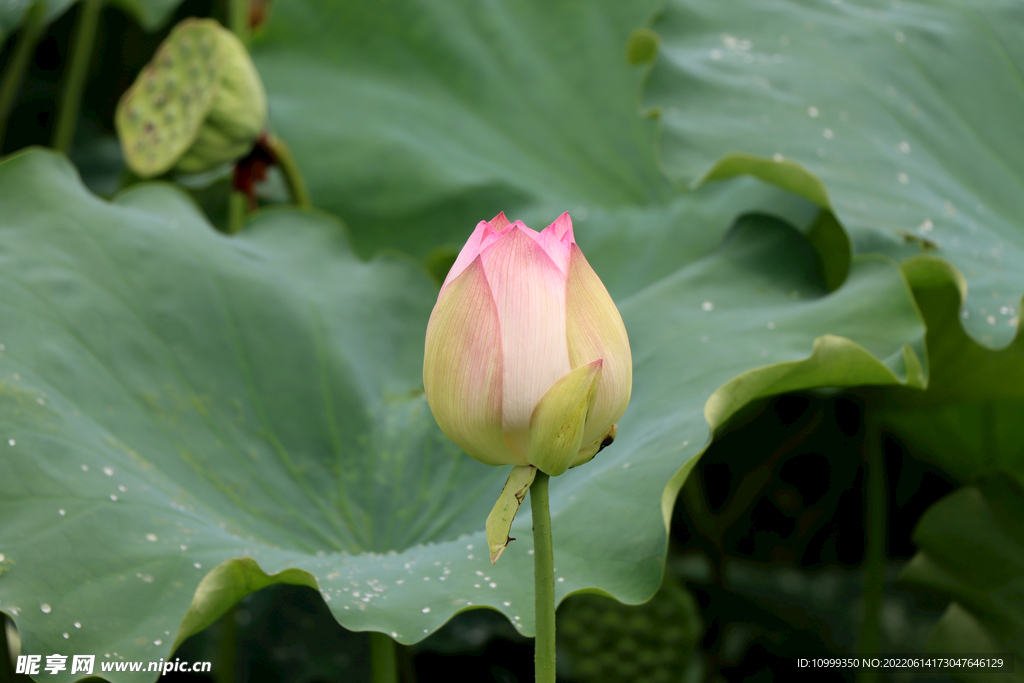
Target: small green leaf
column 506, row 507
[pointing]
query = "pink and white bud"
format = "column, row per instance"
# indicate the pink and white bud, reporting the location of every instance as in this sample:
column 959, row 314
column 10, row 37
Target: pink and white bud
column 527, row 360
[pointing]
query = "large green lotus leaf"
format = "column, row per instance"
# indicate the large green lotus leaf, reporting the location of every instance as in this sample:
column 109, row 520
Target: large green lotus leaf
column 412, row 120
column 903, row 117
column 634, row 247
column 191, row 417
column 968, row 421
column 972, row 550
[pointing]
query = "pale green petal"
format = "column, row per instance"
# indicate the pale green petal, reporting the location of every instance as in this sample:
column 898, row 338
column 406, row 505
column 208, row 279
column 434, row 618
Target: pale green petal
column 462, row 368
column 558, row 421
column 594, row 330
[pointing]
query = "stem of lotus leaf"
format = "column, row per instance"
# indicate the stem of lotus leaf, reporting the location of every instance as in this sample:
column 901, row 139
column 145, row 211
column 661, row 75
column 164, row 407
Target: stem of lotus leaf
column 874, row 547
column 14, row 74
column 228, row 647
column 238, row 205
column 238, row 20
column 6, row 665
column 383, row 659
column 78, row 70
column 290, row 170
column 544, row 581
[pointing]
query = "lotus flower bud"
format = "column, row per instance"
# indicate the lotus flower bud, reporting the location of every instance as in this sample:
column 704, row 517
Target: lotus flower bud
column 198, row 104
column 527, row 360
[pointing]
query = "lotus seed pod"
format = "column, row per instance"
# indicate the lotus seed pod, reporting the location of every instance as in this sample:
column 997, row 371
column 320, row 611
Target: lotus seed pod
column 649, row 643
column 198, row 104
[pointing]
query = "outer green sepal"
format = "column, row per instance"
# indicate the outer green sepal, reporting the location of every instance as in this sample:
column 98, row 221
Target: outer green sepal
column 500, row 520
column 588, row 452
column 556, row 426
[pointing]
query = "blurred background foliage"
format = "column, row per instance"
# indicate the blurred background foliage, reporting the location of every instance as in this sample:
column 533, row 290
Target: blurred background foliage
column 779, row 542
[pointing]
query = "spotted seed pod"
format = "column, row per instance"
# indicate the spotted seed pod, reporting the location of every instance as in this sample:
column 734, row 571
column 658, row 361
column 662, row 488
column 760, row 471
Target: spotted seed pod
column 199, row 103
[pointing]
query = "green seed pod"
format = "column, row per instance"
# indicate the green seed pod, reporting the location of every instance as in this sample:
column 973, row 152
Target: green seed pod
column 198, row 104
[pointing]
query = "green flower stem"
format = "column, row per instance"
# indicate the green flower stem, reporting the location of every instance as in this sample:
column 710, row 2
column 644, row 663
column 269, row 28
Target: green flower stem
column 874, row 552
column 18, row 63
column 383, row 659
column 238, row 206
column 238, row 19
column 292, row 175
column 544, row 581
column 74, row 77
